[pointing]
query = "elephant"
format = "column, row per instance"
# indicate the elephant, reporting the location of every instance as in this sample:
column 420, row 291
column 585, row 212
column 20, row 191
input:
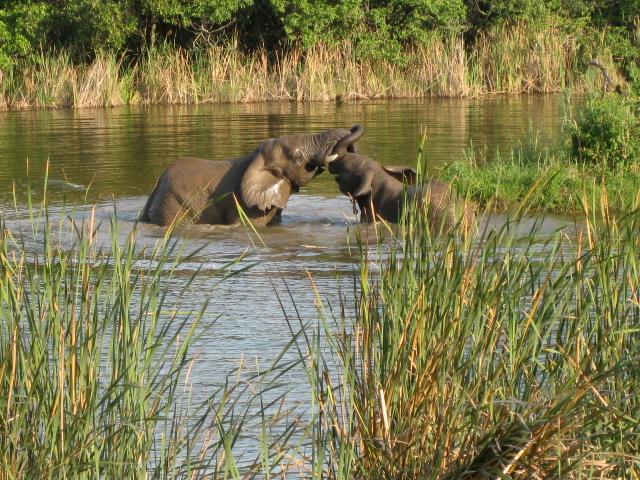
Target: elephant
column 199, row 191
column 379, row 191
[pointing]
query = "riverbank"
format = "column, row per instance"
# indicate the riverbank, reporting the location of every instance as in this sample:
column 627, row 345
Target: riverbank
column 507, row 60
column 599, row 157
column 551, row 183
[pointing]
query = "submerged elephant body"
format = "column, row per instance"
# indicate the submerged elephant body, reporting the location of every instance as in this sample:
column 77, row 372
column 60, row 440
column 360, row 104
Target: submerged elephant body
column 199, row 191
column 195, row 190
column 380, row 194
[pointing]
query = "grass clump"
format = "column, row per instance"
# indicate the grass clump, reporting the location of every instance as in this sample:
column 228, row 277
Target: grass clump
column 503, row 182
column 600, row 155
column 92, row 357
column 504, row 357
column 605, row 133
column 95, row 362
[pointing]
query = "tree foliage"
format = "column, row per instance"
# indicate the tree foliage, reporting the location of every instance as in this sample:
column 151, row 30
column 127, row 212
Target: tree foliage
column 22, row 28
column 375, row 27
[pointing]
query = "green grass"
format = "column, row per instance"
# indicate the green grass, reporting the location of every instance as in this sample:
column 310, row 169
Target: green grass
column 492, row 357
column 95, row 360
column 464, row 356
column 599, row 157
column 503, row 182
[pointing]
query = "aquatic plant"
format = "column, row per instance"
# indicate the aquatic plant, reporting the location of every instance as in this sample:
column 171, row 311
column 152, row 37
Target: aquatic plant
column 511, row 355
column 504, row 181
column 520, row 58
column 95, row 359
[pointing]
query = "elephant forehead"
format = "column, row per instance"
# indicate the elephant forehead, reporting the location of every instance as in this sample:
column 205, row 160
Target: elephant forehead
column 353, row 162
column 282, row 148
column 292, row 140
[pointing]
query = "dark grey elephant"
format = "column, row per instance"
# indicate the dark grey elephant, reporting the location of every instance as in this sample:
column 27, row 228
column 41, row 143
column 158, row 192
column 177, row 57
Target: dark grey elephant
column 195, row 190
column 379, row 191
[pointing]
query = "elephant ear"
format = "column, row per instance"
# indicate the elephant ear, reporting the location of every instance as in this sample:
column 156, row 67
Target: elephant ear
column 260, row 188
column 402, row 173
column 365, row 185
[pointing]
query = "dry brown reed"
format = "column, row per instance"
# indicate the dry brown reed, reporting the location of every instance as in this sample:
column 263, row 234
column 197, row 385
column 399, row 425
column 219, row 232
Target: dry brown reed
column 514, row 60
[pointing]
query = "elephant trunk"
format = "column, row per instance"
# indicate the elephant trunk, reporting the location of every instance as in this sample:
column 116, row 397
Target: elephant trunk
column 346, row 144
column 323, row 144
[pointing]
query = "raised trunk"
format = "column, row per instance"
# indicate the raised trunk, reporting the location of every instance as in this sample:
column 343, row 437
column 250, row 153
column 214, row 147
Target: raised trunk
column 323, row 144
column 347, row 142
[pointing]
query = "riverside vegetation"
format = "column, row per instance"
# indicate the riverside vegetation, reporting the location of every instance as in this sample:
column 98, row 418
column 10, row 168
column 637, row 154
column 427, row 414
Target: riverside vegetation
column 600, row 155
column 95, row 359
column 508, row 358
column 82, row 53
column 467, row 357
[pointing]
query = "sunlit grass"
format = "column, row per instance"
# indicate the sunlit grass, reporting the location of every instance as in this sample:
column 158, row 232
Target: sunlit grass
column 96, row 356
column 517, row 59
column 499, row 356
column 486, row 355
column 503, row 181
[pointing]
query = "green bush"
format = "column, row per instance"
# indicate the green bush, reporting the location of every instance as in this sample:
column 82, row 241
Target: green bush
column 21, row 27
column 604, row 133
column 377, row 28
column 88, row 26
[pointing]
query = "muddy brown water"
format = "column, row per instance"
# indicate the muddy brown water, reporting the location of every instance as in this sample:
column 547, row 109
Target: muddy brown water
column 112, row 158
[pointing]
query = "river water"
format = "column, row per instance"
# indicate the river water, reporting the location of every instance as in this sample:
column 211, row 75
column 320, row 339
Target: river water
column 112, row 157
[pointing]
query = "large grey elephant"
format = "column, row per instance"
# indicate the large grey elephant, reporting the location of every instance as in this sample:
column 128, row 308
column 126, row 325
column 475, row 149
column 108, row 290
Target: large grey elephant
column 195, row 190
column 379, row 191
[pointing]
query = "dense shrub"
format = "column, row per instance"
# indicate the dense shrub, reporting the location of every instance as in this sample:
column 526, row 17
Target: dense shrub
column 22, row 24
column 606, row 133
column 377, row 28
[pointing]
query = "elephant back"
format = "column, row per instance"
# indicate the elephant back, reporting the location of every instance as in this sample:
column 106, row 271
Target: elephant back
column 445, row 208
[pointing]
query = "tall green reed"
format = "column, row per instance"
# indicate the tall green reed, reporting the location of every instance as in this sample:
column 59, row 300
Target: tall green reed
column 460, row 356
column 95, row 360
column 502, row 355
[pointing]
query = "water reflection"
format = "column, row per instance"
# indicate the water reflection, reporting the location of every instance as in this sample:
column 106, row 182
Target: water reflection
column 120, row 152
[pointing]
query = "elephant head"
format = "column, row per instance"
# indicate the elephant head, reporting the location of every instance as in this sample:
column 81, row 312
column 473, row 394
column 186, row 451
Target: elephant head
column 380, row 192
column 356, row 174
column 284, row 164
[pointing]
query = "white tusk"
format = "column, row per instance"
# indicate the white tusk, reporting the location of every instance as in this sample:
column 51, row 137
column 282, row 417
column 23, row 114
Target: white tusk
column 330, row 158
